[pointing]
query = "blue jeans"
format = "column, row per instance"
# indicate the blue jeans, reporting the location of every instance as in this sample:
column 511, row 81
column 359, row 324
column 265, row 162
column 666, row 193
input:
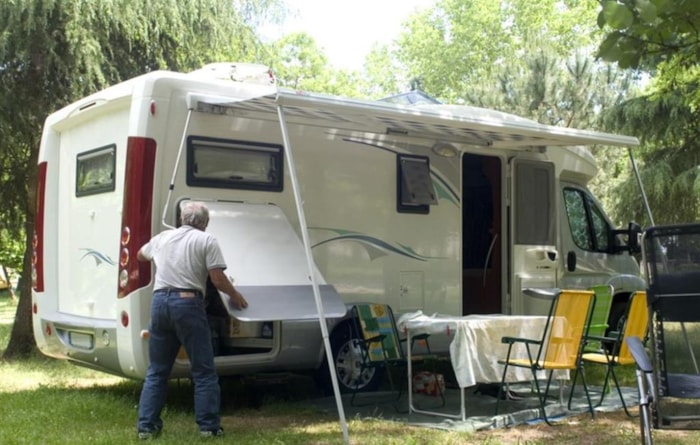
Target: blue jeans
column 179, row 321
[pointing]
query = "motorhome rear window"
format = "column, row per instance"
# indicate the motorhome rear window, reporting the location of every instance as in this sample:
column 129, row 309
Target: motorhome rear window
column 94, row 171
column 223, row 163
column 415, row 191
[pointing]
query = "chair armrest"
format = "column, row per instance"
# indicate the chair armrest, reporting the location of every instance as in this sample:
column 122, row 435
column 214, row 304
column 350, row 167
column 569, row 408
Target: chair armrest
column 511, row 340
column 415, row 337
column 600, row 338
column 376, row 339
column 640, row 354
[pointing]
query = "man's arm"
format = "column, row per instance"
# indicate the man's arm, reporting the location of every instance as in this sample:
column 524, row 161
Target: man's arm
column 222, row 283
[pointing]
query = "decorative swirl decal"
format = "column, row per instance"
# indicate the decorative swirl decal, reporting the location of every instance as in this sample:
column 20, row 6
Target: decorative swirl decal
column 97, row 256
column 375, row 247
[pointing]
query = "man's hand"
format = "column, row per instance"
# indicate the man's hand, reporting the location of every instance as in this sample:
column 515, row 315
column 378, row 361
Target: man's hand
column 238, row 300
column 225, row 285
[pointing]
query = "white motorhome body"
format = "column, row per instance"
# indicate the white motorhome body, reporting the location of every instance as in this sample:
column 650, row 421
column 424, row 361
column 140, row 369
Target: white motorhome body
column 435, row 208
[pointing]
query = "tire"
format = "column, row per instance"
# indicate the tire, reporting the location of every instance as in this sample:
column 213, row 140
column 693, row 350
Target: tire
column 616, row 319
column 347, row 361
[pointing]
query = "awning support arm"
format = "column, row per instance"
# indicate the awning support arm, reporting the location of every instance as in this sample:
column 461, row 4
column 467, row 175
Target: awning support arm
column 171, row 186
column 311, row 266
column 641, row 186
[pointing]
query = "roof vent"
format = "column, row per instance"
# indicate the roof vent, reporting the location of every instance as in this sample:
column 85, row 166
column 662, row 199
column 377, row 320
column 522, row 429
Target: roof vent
column 237, row 72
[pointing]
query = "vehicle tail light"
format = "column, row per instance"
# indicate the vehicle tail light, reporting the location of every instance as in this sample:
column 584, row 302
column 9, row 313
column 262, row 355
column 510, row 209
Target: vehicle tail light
column 38, row 236
column 136, row 214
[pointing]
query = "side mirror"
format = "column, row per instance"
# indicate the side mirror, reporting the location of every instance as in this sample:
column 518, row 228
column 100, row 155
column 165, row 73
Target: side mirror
column 634, row 234
column 632, row 245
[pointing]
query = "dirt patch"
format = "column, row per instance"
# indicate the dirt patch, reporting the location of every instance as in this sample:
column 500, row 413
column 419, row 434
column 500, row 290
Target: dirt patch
column 614, row 427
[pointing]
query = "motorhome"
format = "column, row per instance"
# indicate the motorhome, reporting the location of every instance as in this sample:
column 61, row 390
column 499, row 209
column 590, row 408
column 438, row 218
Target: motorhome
column 427, row 207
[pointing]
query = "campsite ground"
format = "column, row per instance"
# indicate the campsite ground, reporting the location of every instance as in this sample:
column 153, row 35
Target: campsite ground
column 51, row 402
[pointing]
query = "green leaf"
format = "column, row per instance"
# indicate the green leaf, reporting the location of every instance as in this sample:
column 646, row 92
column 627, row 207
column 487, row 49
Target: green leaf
column 617, row 16
column 646, row 10
column 663, row 6
column 609, row 48
column 601, row 19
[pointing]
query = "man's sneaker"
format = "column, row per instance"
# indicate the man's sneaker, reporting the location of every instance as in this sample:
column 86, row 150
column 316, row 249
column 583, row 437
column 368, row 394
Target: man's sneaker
column 148, row 435
column 208, row 433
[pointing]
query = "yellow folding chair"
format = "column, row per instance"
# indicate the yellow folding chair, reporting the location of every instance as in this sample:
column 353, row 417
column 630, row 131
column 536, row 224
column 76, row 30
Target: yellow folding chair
column 559, row 348
column 635, row 324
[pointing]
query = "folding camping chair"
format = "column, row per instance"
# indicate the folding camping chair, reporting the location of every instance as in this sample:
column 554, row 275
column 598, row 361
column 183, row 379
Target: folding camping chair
column 379, row 344
column 559, row 348
column 672, row 260
column 645, row 384
column 599, row 318
column 636, row 322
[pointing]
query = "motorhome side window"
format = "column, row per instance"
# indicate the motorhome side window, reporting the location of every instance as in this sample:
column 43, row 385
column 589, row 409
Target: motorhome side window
column 223, row 163
column 94, row 172
column 414, row 189
column 589, row 228
column 534, row 203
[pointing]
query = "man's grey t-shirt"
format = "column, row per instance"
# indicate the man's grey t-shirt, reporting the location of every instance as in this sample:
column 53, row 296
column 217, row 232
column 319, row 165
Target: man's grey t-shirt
column 183, row 258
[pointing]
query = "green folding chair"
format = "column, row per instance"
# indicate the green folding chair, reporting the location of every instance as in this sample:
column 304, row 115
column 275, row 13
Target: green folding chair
column 599, row 319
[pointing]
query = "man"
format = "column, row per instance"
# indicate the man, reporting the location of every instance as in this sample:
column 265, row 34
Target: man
column 183, row 258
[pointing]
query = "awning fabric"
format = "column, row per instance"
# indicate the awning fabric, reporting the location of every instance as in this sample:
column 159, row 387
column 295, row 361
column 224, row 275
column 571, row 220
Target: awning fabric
column 462, row 124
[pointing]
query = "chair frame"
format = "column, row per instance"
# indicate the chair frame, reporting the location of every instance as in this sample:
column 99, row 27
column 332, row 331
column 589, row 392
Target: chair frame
column 673, row 275
column 599, row 319
column 646, row 386
column 550, row 339
column 636, row 324
column 380, row 345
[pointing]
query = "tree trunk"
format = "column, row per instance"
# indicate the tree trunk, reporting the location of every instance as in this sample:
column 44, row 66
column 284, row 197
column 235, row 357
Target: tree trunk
column 22, row 342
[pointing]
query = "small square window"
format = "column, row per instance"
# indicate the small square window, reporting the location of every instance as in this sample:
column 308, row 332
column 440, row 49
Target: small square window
column 94, row 171
column 415, row 191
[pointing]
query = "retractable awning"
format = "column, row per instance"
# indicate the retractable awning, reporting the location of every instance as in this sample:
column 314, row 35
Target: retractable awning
column 461, row 124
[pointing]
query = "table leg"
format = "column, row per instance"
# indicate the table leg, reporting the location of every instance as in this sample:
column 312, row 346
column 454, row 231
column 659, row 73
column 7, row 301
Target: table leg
column 411, row 409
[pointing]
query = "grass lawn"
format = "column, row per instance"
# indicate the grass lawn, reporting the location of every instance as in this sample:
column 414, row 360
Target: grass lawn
column 45, row 401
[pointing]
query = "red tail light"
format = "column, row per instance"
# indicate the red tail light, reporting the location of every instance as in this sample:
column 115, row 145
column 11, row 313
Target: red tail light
column 38, row 236
column 136, row 214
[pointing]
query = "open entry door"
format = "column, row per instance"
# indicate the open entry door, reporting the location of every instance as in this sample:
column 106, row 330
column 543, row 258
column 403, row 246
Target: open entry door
column 481, row 235
column 533, row 230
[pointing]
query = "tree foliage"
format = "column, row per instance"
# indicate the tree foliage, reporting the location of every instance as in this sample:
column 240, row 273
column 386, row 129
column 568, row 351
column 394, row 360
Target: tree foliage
column 661, row 37
column 460, row 43
column 55, row 51
column 298, row 63
column 647, row 32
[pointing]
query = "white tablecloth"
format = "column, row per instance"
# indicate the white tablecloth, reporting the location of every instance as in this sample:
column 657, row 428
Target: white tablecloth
column 476, row 344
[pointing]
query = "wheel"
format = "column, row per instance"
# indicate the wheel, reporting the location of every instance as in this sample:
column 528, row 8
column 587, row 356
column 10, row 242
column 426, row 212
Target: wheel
column 347, row 359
